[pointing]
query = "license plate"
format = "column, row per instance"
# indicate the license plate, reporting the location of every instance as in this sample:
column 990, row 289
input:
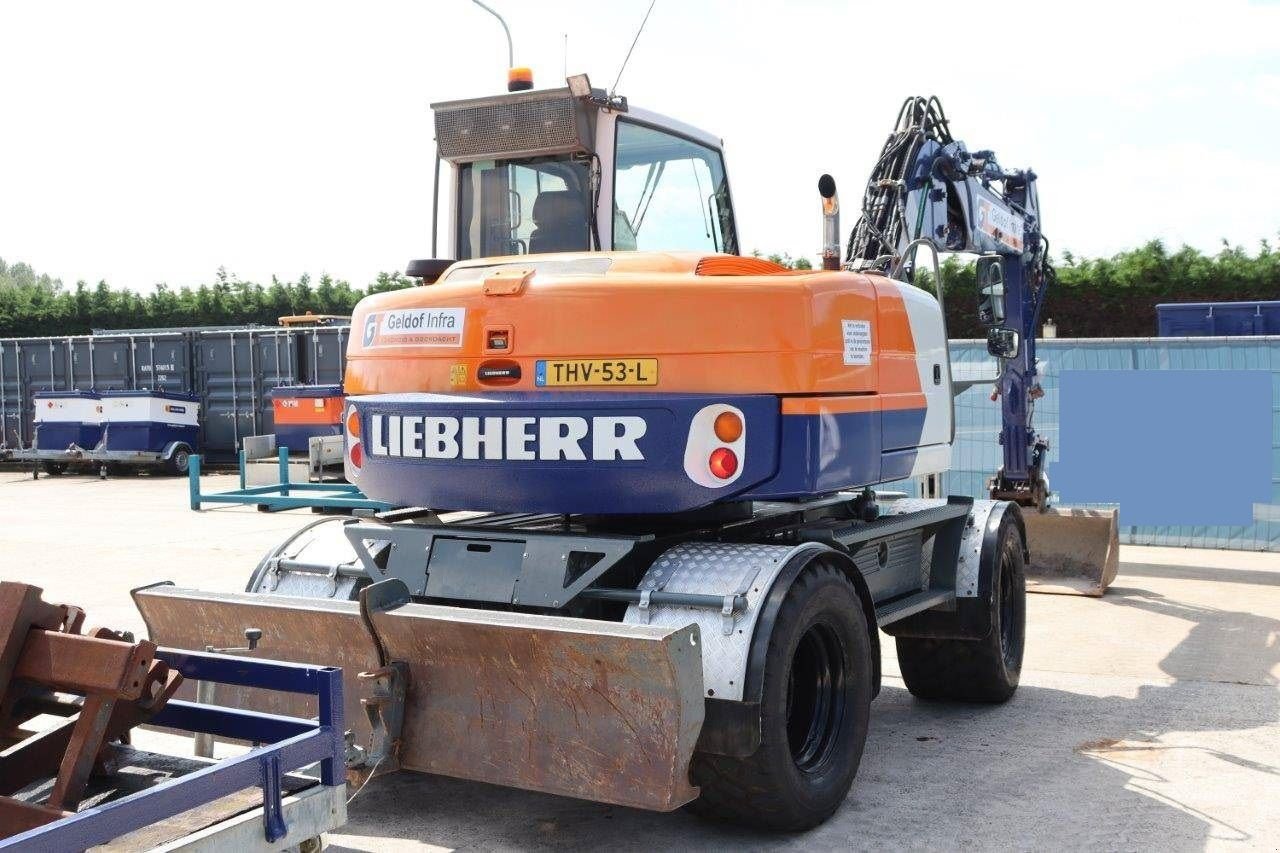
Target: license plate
column 596, row 371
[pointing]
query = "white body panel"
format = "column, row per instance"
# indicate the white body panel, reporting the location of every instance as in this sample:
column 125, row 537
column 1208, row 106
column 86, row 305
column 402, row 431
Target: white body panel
column 158, row 410
column 928, row 332
column 64, row 410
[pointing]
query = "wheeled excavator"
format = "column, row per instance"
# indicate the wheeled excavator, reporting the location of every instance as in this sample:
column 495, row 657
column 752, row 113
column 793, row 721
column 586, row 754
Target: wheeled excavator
column 639, row 555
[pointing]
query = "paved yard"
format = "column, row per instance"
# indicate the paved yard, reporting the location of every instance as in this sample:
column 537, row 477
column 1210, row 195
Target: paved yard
column 1147, row 719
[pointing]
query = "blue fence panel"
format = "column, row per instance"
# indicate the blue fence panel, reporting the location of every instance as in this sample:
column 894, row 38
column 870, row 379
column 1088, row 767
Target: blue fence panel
column 976, row 454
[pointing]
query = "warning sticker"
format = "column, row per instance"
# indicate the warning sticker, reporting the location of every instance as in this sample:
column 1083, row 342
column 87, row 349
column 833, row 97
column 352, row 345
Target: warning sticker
column 857, row 341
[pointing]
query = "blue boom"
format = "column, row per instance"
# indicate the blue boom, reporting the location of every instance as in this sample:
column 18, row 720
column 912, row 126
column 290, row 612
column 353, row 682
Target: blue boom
column 927, row 188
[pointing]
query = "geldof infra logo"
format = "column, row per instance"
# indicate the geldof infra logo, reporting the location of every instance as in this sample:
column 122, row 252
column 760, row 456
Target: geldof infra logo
column 415, row 327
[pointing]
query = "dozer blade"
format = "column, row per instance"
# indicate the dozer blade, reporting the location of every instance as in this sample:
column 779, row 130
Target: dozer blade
column 599, row 710
column 1073, row 551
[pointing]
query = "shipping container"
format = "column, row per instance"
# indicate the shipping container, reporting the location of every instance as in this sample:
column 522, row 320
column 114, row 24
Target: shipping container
column 99, row 364
column 12, row 424
column 234, row 369
column 229, row 369
column 324, row 354
column 1217, row 319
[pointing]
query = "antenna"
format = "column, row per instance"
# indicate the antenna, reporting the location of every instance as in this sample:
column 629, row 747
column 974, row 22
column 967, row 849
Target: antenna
column 614, row 90
column 566, row 54
column 511, row 52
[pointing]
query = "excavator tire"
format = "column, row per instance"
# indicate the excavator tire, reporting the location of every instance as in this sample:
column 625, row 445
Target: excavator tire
column 984, row 670
column 816, row 703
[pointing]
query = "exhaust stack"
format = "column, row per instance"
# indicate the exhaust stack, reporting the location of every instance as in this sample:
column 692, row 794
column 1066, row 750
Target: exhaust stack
column 830, row 223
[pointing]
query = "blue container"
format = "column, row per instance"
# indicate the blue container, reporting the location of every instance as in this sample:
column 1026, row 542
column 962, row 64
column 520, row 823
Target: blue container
column 1212, row 319
column 149, row 421
column 64, row 418
column 303, row 411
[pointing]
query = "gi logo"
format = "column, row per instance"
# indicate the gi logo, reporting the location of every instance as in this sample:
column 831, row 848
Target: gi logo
column 370, row 329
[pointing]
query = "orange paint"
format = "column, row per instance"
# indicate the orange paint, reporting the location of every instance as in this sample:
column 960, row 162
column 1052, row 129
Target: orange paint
column 718, row 324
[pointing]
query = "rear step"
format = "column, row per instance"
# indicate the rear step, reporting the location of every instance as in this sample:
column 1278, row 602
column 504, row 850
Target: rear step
column 909, row 605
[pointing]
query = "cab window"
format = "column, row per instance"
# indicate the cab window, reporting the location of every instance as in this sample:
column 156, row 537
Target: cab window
column 670, row 194
column 522, row 207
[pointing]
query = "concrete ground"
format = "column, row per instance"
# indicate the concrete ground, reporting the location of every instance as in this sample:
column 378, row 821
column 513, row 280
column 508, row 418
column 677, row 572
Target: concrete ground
column 1146, row 719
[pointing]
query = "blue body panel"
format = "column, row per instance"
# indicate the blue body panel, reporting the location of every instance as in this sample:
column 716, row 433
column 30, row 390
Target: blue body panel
column 655, row 484
column 784, row 456
column 295, row 436
column 59, row 435
column 825, row 453
column 149, row 436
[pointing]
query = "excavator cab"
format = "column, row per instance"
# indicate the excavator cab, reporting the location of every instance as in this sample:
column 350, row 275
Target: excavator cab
column 572, row 170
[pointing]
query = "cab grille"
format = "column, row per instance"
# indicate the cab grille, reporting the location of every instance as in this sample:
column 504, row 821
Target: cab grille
column 510, row 126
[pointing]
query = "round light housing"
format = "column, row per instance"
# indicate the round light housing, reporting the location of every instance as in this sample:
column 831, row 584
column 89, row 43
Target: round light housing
column 723, row 463
column 728, row 427
column 353, row 424
column 357, row 455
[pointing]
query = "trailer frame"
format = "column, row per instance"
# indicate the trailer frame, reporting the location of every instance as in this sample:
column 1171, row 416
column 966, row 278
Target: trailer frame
column 287, row 744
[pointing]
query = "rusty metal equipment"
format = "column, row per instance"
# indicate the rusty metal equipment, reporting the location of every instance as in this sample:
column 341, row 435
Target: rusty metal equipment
column 102, row 682
column 81, row 783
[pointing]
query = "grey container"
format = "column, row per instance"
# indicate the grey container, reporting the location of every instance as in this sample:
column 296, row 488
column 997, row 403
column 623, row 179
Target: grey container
column 161, row 362
column 85, row 362
column 324, row 354
column 233, row 371
column 12, row 423
column 99, row 364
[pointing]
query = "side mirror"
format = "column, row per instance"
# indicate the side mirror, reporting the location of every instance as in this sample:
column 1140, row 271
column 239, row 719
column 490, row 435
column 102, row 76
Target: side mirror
column 990, row 290
column 1003, row 343
column 428, row 269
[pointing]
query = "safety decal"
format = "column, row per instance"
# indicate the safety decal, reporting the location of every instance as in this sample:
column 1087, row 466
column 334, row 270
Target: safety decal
column 857, row 341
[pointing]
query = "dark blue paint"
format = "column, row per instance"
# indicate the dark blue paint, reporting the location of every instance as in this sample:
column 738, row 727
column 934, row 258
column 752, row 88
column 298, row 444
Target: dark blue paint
column 786, row 456
column 1206, row 319
column 296, row 436
column 658, row 484
column 149, row 436
column 826, row 453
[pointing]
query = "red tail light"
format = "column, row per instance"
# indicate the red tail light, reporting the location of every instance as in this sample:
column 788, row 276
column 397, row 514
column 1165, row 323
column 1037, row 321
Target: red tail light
column 723, row 463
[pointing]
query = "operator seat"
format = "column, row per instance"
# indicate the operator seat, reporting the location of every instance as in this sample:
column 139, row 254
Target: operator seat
column 559, row 223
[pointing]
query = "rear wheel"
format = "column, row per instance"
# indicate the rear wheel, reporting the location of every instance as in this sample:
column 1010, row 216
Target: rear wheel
column 985, row 670
column 816, row 701
column 179, row 462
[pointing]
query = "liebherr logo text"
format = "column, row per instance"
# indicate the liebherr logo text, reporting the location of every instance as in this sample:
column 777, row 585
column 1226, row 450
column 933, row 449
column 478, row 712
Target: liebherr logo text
column 420, row 327
column 545, row 439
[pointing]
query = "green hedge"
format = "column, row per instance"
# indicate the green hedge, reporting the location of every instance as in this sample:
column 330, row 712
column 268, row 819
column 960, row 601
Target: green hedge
column 1099, row 297
column 1116, row 297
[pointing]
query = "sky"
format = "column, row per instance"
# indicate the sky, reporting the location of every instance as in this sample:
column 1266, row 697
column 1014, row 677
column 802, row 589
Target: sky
column 151, row 142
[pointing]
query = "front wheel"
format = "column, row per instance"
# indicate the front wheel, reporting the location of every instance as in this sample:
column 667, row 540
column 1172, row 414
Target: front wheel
column 815, row 707
column 985, row 670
